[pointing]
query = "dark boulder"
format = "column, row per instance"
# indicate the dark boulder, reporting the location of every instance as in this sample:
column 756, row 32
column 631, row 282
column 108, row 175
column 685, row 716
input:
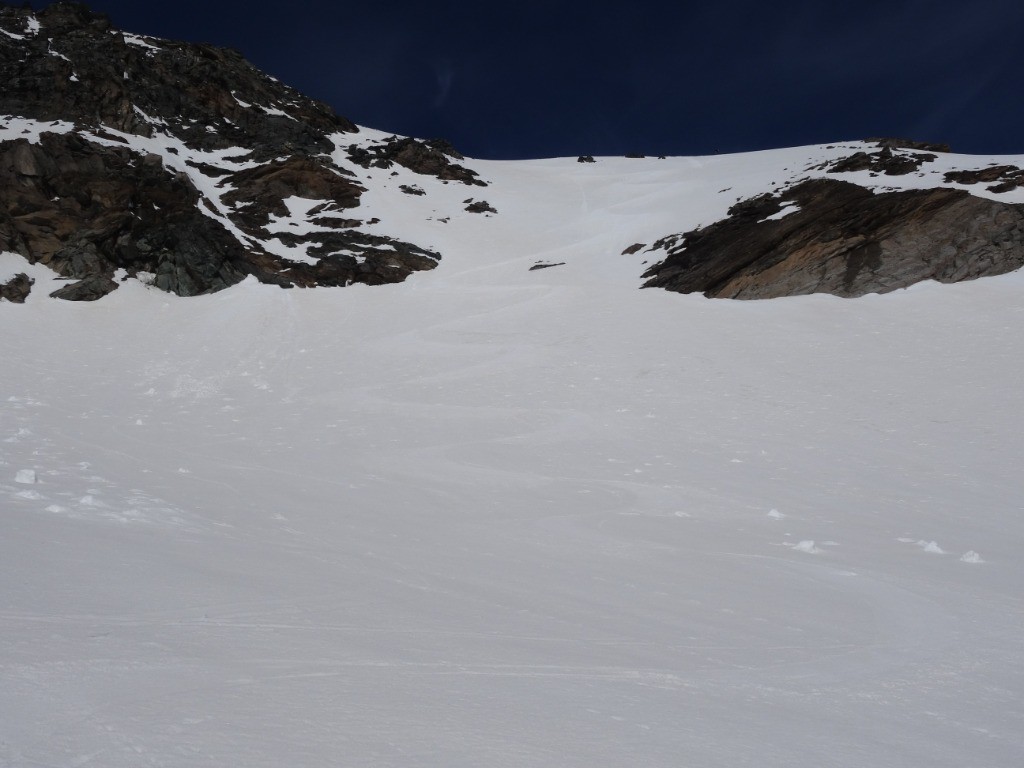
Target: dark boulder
column 89, row 289
column 17, row 289
column 479, row 206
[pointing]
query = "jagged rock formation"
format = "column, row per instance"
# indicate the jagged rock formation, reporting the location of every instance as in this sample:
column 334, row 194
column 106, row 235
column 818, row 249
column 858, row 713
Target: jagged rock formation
column 430, row 158
column 85, row 210
column 77, row 67
column 883, row 161
column 178, row 163
column 829, row 236
column 1009, row 177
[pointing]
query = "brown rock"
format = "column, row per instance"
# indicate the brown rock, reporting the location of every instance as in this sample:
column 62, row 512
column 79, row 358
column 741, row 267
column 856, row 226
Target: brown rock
column 845, row 240
column 16, row 289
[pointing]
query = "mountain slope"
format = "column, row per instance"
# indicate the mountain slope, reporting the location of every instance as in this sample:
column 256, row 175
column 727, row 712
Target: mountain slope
column 514, row 518
column 125, row 156
column 509, row 517
column 178, row 163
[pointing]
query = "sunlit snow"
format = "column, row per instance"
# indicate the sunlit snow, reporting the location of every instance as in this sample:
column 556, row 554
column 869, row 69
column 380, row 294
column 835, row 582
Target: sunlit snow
column 501, row 517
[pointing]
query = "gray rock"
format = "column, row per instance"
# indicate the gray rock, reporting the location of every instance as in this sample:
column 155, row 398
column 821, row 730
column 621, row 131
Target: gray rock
column 89, row 289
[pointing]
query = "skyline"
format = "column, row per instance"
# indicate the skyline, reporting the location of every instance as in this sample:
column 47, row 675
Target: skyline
column 541, row 80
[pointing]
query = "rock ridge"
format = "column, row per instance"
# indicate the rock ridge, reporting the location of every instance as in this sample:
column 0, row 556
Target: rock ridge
column 831, row 236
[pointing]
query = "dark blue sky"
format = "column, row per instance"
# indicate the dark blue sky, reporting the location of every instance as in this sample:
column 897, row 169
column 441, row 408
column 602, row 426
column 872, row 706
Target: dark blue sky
column 536, row 79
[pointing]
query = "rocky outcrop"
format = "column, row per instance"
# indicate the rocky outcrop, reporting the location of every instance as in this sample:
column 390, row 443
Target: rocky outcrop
column 430, row 158
column 479, row 206
column 258, row 194
column 78, row 68
column 89, row 289
column 183, row 166
column 17, row 289
column 1009, row 177
column 884, row 161
column 827, row 236
column 85, row 210
column 896, row 143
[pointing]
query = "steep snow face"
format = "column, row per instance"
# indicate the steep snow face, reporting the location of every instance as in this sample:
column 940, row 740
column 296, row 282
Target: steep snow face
column 494, row 516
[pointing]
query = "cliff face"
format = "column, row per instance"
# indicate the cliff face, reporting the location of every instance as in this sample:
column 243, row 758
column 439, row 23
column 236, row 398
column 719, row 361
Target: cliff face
column 180, row 163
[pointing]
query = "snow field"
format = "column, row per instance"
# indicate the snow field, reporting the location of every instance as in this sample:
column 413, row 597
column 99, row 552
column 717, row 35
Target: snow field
column 509, row 518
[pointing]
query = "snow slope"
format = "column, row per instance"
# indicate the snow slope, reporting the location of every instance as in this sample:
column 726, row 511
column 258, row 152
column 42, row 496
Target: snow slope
column 501, row 517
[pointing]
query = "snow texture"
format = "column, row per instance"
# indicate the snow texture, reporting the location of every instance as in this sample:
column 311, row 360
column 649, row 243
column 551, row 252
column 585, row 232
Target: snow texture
column 500, row 517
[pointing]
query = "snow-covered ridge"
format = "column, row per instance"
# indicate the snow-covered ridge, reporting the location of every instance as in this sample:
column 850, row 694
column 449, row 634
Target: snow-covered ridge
column 605, row 207
column 298, row 196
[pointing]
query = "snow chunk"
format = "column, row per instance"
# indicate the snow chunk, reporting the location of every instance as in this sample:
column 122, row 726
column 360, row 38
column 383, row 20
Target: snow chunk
column 970, row 556
column 57, row 54
column 806, row 546
column 275, row 112
column 787, row 208
column 139, row 42
column 26, row 477
column 931, row 546
column 12, row 128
